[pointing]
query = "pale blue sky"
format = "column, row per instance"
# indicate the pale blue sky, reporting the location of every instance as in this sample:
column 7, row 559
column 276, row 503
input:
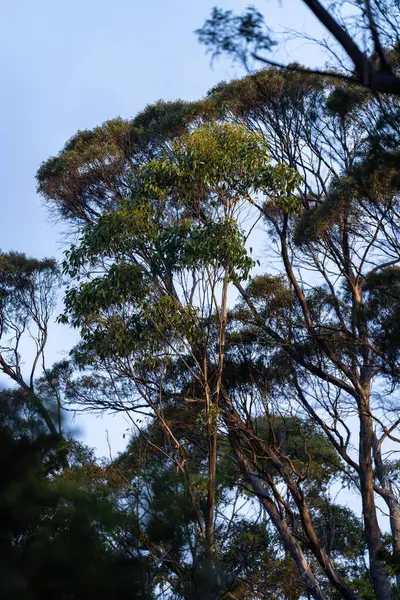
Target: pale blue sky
column 72, row 64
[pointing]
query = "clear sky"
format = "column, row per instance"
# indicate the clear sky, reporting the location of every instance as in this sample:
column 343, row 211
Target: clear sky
column 72, row 64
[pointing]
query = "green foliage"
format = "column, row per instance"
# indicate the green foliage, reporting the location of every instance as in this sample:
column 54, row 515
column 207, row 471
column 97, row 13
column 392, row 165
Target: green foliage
column 168, row 200
column 304, row 446
column 268, row 94
column 218, row 163
column 184, row 219
column 345, row 99
column 270, row 292
column 23, row 282
column 382, row 309
column 213, row 244
column 96, row 169
column 53, row 533
column 313, row 223
column 339, row 529
column 27, row 300
column 225, row 32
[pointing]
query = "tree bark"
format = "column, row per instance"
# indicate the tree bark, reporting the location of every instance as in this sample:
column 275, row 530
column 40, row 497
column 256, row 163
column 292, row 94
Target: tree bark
column 262, row 451
column 289, row 541
column 379, row 575
column 390, row 499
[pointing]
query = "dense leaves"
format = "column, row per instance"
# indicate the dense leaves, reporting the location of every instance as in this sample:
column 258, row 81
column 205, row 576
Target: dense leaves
column 234, row 279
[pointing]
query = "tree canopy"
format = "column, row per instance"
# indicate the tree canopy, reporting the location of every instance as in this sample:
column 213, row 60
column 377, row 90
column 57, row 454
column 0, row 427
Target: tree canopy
column 233, row 273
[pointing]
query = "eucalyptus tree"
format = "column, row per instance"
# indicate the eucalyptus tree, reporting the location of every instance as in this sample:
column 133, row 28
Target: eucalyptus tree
column 336, row 254
column 165, row 259
column 28, row 289
column 167, row 205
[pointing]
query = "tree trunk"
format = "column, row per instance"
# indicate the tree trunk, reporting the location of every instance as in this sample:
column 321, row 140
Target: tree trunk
column 212, row 468
column 379, row 575
column 209, row 587
column 290, row 543
column 390, row 499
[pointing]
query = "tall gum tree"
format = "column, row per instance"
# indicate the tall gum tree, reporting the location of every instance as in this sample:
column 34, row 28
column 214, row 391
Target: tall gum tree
column 157, row 269
column 27, row 302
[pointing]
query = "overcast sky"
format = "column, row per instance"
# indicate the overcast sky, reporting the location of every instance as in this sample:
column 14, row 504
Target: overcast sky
column 72, row 64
